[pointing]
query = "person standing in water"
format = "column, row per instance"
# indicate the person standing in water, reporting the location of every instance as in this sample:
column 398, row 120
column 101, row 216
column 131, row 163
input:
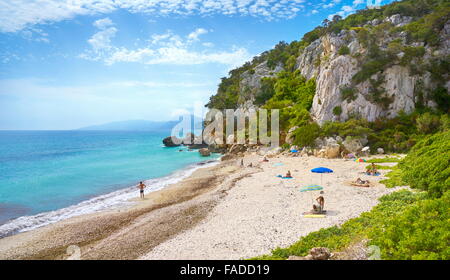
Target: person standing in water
column 141, row 187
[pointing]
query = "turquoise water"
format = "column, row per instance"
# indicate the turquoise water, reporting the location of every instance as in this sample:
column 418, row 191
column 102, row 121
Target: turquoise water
column 42, row 171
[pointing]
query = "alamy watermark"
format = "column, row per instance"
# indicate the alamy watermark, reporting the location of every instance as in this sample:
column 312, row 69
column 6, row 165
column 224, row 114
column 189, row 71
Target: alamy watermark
column 231, row 127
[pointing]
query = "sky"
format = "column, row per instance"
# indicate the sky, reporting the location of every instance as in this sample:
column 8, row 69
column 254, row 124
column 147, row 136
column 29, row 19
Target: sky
column 66, row 64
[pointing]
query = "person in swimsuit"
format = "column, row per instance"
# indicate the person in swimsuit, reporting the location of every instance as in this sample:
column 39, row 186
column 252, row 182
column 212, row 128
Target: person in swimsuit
column 141, row 187
column 319, row 208
column 373, row 170
column 288, row 175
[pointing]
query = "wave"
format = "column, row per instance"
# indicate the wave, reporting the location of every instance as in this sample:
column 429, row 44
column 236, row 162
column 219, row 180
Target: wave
column 107, row 201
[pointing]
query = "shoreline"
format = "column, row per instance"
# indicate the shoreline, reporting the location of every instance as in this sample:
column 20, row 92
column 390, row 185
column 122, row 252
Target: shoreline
column 201, row 216
column 121, row 198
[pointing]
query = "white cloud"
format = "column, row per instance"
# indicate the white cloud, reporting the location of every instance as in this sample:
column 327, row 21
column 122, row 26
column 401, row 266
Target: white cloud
column 103, row 23
column 166, row 48
column 102, row 39
column 208, row 44
column 346, row 9
column 16, row 15
column 193, row 36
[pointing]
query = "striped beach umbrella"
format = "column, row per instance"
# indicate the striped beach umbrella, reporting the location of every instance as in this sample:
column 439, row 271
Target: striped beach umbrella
column 311, row 188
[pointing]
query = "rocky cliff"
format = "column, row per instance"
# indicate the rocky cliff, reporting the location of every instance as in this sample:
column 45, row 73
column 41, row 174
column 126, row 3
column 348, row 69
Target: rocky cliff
column 371, row 70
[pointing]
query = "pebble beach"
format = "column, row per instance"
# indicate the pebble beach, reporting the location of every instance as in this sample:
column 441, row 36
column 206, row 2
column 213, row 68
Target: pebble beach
column 226, row 211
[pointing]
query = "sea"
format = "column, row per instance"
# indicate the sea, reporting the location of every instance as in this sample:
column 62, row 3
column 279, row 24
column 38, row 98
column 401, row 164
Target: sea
column 49, row 176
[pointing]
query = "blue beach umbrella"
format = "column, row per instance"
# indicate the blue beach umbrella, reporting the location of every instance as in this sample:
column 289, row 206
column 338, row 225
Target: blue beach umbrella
column 321, row 170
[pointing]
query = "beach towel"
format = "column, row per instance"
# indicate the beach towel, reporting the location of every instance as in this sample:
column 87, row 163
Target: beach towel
column 278, row 164
column 376, row 174
column 314, row 216
column 282, row 177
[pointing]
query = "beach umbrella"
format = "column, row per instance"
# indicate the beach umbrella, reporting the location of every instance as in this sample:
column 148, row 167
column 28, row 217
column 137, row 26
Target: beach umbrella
column 311, row 188
column 360, row 160
column 321, row 170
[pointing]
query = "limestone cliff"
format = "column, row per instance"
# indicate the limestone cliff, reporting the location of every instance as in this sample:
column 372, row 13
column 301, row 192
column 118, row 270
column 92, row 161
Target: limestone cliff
column 398, row 86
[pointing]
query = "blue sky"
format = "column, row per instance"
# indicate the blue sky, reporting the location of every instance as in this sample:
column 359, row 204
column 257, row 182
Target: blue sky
column 66, row 64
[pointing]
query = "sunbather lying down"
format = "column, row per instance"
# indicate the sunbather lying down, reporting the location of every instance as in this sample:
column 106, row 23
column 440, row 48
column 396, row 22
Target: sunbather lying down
column 361, row 183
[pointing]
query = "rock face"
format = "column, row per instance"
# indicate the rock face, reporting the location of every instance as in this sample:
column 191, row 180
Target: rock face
column 168, row 142
column 250, row 84
column 334, row 73
column 353, row 145
column 290, row 135
column 204, row 152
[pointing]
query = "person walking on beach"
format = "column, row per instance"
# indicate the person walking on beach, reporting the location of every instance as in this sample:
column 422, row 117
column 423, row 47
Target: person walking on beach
column 141, row 187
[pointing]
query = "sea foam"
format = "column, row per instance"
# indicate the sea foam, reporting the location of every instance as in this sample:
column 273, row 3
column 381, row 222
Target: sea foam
column 109, row 201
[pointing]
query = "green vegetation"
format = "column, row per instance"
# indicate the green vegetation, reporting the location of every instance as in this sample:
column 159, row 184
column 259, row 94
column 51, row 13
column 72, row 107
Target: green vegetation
column 344, row 50
column 421, row 232
column 383, row 160
column 379, row 167
column 405, row 225
column 337, row 111
column 293, row 95
column 427, row 166
column 337, row 238
column 348, row 93
column 306, row 134
column 429, row 17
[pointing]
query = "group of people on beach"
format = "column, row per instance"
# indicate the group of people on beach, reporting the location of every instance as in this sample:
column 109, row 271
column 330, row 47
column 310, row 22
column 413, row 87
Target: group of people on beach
column 317, row 208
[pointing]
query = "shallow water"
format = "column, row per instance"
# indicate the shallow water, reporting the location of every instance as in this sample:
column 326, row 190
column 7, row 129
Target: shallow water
column 51, row 175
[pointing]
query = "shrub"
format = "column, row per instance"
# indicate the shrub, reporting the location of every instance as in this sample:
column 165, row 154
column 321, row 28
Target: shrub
column 421, row 232
column 344, row 50
column 304, row 136
column 337, row 111
column 352, row 127
column 266, row 92
column 428, row 123
column 348, row 94
column 442, row 99
column 427, row 166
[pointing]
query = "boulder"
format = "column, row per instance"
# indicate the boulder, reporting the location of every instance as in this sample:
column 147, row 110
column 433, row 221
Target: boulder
column 290, row 135
column 320, row 253
column 274, row 152
column 352, row 145
column 189, row 139
column 204, row 152
column 214, row 148
column 169, row 141
column 227, row 157
column 332, row 151
column 198, row 146
column 380, row 151
column 230, row 139
column 316, row 254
